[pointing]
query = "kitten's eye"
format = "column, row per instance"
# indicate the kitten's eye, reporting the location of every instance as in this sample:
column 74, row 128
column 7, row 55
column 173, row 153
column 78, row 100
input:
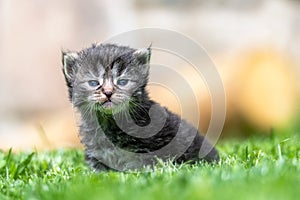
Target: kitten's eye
column 93, row 83
column 122, row 82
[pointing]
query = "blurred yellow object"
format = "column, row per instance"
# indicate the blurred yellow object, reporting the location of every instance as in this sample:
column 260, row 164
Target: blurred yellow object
column 260, row 86
column 266, row 88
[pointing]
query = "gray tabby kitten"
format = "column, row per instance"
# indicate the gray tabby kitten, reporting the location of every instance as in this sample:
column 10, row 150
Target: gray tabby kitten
column 121, row 128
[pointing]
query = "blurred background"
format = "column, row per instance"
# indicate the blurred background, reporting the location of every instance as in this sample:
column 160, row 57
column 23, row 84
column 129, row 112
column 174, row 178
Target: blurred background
column 254, row 44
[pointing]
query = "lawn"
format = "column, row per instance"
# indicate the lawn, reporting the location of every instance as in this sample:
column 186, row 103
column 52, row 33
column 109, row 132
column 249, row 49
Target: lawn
column 261, row 167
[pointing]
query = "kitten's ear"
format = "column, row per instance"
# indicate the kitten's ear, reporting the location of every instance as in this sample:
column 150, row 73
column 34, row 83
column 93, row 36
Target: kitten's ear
column 68, row 61
column 143, row 55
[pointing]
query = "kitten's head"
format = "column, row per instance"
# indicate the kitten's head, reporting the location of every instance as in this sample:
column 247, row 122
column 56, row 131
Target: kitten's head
column 106, row 76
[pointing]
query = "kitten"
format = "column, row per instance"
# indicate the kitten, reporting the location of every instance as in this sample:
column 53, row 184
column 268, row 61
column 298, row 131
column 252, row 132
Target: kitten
column 121, row 128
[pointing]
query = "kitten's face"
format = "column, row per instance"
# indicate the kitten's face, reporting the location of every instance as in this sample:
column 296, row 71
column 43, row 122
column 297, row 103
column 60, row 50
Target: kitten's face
column 106, row 76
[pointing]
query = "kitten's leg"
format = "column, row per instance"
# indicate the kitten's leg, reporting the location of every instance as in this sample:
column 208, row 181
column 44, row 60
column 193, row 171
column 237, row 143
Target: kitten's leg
column 96, row 164
column 192, row 153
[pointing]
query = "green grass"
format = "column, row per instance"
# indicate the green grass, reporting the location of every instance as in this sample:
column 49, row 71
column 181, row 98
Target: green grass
column 256, row 168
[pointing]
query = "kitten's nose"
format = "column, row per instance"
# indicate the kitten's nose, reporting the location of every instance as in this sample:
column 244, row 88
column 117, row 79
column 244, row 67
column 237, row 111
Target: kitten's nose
column 108, row 88
column 107, row 93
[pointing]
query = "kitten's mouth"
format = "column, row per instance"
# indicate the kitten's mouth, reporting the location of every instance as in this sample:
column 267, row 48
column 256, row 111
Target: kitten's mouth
column 107, row 104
